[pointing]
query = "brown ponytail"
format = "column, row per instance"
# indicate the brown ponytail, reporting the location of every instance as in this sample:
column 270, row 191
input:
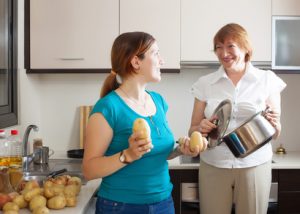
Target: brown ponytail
column 109, row 84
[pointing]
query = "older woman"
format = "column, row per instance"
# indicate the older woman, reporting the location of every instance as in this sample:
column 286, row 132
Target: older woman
column 223, row 179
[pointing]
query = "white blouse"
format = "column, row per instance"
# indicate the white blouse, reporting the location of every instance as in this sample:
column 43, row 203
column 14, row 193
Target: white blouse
column 248, row 97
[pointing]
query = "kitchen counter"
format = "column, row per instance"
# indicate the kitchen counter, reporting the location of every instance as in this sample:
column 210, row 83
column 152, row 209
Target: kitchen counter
column 83, row 199
column 290, row 160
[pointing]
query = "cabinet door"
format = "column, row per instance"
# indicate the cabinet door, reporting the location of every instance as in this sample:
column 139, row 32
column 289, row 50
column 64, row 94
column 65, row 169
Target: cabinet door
column 201, row 19
column 286, row 7
column 289, row 191
column 70, row 34
column 159, row 18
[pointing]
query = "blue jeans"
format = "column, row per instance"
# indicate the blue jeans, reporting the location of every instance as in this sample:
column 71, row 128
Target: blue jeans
column 105, row 206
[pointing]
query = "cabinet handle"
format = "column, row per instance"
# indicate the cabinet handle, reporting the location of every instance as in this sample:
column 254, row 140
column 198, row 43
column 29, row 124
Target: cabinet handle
column 72, row 58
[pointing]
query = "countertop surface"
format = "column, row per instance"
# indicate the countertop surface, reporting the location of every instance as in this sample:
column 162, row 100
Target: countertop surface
column 290, row 160
column 84, row 197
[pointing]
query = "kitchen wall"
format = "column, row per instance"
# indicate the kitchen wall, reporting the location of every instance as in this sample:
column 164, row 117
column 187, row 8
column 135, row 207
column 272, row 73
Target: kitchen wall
column 52, row 102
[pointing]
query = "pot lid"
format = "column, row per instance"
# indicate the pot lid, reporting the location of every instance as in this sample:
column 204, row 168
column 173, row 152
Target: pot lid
column 222, row 114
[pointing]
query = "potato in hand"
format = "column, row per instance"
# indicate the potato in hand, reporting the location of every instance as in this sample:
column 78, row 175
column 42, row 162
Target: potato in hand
column 140, row 125
column 197, row 140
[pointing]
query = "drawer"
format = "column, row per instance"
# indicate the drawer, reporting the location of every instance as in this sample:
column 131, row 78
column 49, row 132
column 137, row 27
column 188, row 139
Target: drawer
column 189, row 192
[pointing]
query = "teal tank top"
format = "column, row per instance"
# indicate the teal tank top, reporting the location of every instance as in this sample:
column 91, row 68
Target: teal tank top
column 145, row 180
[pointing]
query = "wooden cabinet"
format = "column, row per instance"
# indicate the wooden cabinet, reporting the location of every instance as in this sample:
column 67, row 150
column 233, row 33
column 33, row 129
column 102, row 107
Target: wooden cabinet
column 177, row 178
column 200, row 20
column 159, row 18
column 289, row 191
column 76, row 35
column 70, row 34
column 286, row 7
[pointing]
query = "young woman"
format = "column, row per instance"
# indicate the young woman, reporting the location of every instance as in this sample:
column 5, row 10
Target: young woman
column 135, row 176
column 223, row 179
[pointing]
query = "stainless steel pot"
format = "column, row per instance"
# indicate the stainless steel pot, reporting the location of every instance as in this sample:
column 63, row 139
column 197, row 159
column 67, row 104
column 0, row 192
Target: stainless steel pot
column 247, row 138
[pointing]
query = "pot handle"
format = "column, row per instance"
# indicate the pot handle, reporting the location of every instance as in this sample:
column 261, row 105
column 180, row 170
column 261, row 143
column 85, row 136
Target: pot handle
column 267, row 110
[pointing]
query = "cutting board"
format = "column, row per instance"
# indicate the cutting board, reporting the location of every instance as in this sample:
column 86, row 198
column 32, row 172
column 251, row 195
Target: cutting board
column 84, row 117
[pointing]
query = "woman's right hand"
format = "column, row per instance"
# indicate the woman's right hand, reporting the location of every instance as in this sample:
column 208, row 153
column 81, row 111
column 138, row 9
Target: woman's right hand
column 206, row 126
column 137, row 147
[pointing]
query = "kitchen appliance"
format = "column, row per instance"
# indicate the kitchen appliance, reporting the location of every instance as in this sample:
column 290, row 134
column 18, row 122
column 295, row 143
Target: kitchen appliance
column 285, row 43
column 75, row 153
column 190, row 198
column 42, row 154
column 245, row 139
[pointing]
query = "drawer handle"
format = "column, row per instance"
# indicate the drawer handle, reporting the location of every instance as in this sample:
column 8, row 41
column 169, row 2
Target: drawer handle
column 75, row 59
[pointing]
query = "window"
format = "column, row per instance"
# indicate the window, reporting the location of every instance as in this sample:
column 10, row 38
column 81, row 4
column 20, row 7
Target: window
column 8, row 63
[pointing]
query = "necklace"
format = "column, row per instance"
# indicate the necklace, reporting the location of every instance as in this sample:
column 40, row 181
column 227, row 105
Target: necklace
column 134, row 101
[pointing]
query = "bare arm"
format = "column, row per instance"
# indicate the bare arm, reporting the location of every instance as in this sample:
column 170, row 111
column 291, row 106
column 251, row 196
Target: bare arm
column 198, row 121
column 274, row 116
column 98, row 138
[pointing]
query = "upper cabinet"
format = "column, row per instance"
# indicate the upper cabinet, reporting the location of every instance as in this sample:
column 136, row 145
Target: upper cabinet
column 70, row 34
column 286, row 7
column 201, row 19
column 159, row 18
column 77, row 35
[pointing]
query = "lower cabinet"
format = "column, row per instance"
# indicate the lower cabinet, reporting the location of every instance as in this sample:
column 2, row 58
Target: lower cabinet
column 178, row 177
column 288, row 191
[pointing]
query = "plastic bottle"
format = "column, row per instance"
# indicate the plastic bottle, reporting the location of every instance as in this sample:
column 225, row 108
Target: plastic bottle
column 15, row 145
column 15, row 161
column 4, row 152
column 5, row 186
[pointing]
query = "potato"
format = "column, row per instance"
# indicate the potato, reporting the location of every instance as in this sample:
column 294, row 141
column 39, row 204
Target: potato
column 196, row 140
column 61, row 179
column 10, row 206
column 141, row 125
column 20, row 201
column 31, row 184
column 74, row 180
column 29, row 194
column 37, row 201
column 71, row 201
column 41, row 210
column 56, row 189
column 12, row 195
column 4, row 198
column 48, row 183
column 57, row 202
column 71, row 191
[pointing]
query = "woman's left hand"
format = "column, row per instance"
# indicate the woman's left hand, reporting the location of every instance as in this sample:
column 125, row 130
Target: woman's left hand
column 274, row 118
column 184, row 147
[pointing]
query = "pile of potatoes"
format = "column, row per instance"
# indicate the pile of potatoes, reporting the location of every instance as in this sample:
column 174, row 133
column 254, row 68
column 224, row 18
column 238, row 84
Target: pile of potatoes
column 56, row 193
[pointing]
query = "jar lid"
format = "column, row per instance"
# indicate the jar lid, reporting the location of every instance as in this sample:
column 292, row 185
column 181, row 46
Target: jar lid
column 14, row 132
column 222, row 114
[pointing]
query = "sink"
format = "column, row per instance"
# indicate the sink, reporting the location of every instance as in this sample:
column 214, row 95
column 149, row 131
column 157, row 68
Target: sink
column 40, row 178
column 184, row 159
column 40, row 172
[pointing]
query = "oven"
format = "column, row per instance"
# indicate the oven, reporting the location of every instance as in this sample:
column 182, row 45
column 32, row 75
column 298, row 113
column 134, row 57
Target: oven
column 190, row 198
